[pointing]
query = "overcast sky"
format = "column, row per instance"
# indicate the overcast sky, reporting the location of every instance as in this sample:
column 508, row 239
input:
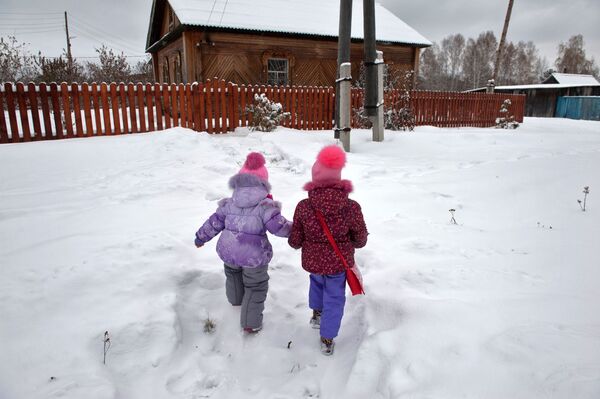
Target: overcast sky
column 123, row 24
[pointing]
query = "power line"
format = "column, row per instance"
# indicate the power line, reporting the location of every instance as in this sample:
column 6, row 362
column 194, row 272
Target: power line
column 29, row 13
column 16, row 31
column 104, row 42
column 96, row 30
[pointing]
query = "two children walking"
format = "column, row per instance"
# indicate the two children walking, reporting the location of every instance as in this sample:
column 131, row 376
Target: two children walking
column 246, row 252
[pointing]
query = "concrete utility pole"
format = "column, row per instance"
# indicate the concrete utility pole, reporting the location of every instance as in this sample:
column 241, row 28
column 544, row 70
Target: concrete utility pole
column 344, row 84
column 69, row 57
column 502, row 39
column 344, row 42
column 373, row 72
column 377, row 120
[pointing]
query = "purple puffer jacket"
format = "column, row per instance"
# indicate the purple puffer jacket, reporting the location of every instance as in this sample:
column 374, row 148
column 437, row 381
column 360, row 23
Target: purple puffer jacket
column 244, row 220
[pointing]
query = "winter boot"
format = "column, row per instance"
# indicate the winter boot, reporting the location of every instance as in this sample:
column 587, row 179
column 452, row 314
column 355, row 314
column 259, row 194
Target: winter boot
column 315, row 320
column 327, row 346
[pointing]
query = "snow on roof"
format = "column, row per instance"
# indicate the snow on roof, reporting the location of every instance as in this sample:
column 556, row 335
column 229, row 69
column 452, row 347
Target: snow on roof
column 575, row 79
column 537, row 86
column 313, row 17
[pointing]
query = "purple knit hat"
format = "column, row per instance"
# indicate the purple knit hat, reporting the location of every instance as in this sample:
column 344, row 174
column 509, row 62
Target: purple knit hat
column 329, row 164
column 255, row 165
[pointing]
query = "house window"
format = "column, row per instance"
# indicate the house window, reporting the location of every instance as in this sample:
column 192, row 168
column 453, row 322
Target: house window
column 178, row 72
column 277, row 71
column 165, row 71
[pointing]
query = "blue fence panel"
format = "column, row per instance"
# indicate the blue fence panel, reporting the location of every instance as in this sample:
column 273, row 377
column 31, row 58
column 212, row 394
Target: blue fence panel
column 578, row 108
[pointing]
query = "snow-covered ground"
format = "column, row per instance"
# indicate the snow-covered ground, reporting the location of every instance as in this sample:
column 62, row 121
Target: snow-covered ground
column 97, row 235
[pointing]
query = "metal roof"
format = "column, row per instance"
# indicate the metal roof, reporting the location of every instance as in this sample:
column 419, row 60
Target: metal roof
column 308, row 17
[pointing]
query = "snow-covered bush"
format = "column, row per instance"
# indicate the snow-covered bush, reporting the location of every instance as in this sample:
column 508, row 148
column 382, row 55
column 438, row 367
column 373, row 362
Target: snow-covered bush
column 507, row 119
column 397, row 112
column 266, row 114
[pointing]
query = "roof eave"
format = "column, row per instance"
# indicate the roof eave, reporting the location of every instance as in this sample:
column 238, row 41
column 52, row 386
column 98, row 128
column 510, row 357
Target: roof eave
column 155, row 46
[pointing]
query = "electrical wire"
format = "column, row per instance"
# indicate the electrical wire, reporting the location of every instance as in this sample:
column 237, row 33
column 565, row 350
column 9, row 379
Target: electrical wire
column 115, row 43
column 96, row 30
column 103, row 42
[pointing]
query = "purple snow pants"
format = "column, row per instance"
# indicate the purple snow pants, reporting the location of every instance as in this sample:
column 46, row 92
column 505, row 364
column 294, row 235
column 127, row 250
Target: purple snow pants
column 327, row 293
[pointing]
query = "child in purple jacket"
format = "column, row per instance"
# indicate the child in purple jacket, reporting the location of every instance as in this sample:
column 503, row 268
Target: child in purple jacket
column 243, row 245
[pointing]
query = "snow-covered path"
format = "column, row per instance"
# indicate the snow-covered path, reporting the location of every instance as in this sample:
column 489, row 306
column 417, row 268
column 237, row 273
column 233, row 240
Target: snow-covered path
column 97, row 234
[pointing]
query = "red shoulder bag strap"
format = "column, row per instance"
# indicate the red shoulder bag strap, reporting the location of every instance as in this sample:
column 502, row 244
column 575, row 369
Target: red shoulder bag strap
column 331, row 239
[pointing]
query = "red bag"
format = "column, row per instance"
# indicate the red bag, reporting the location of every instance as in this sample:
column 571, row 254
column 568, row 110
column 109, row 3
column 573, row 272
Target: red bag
column 353, row 276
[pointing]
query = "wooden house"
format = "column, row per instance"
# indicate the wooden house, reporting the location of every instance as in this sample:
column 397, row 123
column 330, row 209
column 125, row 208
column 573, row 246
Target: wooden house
column 542, row 98
column 292, row 42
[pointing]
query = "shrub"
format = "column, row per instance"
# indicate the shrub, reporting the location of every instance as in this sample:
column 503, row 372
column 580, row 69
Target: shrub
column 506, row 119
column 266, row 114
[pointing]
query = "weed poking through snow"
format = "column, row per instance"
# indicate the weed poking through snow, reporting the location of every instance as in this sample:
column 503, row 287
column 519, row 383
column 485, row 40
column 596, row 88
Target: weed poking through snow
column 586, row 191
column 209, row 325
column 452, row 220
column 107, row 345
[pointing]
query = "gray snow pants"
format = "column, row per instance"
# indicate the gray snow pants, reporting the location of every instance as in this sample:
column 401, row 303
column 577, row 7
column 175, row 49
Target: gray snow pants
column 247, row 287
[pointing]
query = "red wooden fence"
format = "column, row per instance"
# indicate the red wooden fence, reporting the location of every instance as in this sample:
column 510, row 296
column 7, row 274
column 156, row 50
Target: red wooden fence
column 51, row 111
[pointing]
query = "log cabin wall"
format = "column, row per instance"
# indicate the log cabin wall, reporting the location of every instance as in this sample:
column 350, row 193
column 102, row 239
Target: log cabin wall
column 243, row 58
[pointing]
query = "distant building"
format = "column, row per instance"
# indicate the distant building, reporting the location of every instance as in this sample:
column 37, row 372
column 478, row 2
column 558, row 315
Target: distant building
column 542, row 98
column 291, row 42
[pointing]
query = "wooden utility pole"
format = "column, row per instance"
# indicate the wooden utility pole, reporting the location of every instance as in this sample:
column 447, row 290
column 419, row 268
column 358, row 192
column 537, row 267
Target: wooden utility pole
column 502, row 39
column 344, row 41
column 69, row 56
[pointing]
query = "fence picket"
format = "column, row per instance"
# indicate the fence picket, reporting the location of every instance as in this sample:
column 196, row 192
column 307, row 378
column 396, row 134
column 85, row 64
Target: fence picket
column 35, row 114
column 201, row 109
column 124, row 117
column 182, row 105
column 174, row 105
column 209, row 105
column 158, row 105
column 76, row 110
column 114, row 101
column 222, row 89
column 3, row 127
column 150, row 107
column 133, row 125
column 55, row 96
column 141, row 107
column 95, row 96
column 87, row 109
column 44, row 103
column 22, row 101
column 190, row 106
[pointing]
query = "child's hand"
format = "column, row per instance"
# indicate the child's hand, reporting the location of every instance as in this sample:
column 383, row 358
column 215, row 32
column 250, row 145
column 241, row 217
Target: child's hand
column 198, row 243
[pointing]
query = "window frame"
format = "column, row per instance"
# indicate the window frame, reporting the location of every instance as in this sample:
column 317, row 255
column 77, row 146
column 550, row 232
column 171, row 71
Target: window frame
column 278, row 74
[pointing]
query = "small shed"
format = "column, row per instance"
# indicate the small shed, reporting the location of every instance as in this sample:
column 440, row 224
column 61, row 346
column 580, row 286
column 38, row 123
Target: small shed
column 542, row 98
column 291, row 42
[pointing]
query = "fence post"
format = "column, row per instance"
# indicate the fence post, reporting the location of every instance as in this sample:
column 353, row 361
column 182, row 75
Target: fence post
column 344, row 82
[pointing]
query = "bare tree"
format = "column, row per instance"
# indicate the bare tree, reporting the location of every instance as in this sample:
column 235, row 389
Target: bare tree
column 112, row 67
column 479, row 58
column 430, row 70
column 16, row 63
column 572, row 58
column 59, row 69
column 452, row 50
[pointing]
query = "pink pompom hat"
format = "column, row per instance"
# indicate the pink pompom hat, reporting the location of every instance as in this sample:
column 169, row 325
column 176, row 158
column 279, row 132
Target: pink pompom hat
column 255, row 165
column 329, row 164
